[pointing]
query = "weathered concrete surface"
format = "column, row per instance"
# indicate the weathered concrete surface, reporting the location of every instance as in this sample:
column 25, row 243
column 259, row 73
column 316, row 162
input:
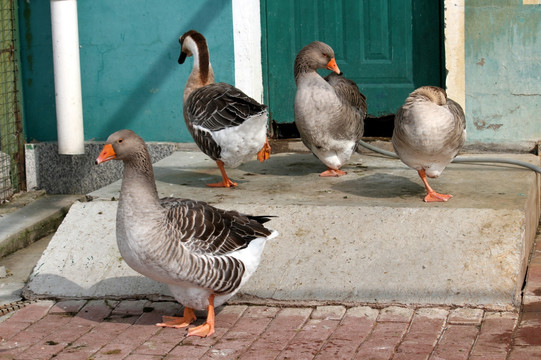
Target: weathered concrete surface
column 18, row 267
column 32, row 221
column 363, row 238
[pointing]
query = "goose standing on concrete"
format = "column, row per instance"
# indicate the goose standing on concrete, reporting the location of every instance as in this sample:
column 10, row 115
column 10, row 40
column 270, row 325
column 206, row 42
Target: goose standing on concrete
column 330, row 111
column 227, row 125
column 429, row 131
column 203, row 253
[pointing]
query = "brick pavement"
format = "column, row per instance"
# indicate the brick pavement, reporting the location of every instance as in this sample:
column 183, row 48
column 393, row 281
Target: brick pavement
column 98, row 329
column 109, row 329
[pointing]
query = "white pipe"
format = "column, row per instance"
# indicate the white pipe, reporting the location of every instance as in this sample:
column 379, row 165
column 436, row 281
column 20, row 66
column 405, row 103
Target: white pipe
column 67, row 77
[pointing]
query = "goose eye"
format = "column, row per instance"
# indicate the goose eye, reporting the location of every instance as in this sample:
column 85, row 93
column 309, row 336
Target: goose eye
column 120, row 140
column 324, row 54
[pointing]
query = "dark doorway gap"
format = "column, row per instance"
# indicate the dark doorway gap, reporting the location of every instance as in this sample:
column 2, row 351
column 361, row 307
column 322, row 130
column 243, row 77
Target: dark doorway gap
column 380, row 127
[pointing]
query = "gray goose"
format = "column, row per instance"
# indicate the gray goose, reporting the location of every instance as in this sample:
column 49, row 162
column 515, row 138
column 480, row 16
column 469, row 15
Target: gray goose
column 429, row 131
column 330, row 111
column 202, row 253
column 225, row 123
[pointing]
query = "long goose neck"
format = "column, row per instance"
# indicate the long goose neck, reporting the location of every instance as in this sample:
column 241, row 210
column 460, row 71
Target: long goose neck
column 202, row 73
column 302, row 65
column 138, row 184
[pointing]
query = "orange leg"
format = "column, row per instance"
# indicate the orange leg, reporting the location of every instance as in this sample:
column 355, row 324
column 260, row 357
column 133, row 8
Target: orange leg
column 207, row 328
column 264, row 153
column 431, row 195
column 179, row 322
column 332, row 173
column 226, row 182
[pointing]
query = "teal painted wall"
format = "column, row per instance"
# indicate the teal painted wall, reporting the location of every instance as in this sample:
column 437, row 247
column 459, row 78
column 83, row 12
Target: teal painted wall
column 129, row 71
column 503, row 71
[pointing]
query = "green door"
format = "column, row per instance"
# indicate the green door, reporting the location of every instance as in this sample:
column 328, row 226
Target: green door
column 388, row 47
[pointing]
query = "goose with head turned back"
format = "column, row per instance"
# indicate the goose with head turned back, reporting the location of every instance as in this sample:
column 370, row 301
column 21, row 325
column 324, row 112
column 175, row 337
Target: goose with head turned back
column 202, row 253
column 429, row 131
column 330, row 111
column 226, row 124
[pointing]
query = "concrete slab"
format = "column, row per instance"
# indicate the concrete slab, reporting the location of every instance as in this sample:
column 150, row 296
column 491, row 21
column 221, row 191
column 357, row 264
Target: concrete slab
column 33, row 221
column 18, row 267
column 363, row 238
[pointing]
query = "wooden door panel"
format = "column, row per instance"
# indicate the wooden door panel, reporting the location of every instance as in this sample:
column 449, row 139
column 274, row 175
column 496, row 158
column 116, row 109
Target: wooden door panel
column 373, row 42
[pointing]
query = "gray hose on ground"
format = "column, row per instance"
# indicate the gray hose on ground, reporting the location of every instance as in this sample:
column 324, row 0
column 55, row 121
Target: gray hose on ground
column 378, row 150
column 461, row 159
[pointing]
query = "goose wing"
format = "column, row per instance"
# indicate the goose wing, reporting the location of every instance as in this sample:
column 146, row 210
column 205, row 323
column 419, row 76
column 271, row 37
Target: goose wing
column 351, row 118
column 457, row 132
column 204, row 229
column 348, row 92
column 219, row 106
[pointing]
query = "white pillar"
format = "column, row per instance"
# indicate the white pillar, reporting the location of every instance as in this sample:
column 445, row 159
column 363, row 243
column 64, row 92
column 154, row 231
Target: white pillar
column 247, row 45
column 67, row 77
column 454, row 51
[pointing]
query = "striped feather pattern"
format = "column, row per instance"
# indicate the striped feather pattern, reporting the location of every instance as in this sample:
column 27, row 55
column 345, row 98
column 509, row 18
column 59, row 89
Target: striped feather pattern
column 204, row 229
column 219, row 106
column 216, row 107
column 209, row 108
column 221, row 274
column 354, row 105
column 195, row 242
column 193, row 247
column 347, row 90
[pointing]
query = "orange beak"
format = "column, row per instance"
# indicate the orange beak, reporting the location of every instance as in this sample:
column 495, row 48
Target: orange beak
column 106, row 154
column 331, row 65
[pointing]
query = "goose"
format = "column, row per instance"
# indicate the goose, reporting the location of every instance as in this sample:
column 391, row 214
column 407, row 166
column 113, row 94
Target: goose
column 204, row 254
column 429, row 131
column 225, row 123
column 330, row 111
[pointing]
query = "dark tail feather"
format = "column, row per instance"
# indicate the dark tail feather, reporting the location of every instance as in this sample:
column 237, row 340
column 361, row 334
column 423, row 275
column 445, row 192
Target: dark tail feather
column 262, row 219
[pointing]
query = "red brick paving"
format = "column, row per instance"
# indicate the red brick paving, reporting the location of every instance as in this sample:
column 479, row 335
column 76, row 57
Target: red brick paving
column 466, row 316
column 278, row 334
column 112, row 330
column 383, row 341
column 354, row 328
column 456, row 342
column 425, row 330
column 531, row 298
column 495, row 337
column 525, row 353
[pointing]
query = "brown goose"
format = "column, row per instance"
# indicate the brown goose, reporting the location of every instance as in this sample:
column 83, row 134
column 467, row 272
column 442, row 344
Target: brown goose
column 429, row 131
column 202, row 253
column 227, row 125
column 330, row 111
